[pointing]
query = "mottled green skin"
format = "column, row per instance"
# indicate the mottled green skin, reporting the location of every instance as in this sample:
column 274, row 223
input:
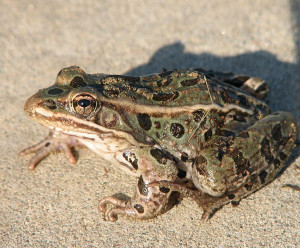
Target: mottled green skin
column 203, row 134
column 174, row 89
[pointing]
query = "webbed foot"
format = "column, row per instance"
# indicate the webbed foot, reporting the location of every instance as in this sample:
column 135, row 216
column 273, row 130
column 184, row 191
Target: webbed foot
column 54, row 142
column 120, row 207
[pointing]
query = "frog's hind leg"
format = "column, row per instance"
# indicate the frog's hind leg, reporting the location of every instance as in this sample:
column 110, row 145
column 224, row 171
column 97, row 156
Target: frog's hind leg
column 259, row 153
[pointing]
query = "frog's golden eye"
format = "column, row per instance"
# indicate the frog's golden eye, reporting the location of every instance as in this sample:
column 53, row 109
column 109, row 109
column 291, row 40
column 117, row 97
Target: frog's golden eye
column 84, row 104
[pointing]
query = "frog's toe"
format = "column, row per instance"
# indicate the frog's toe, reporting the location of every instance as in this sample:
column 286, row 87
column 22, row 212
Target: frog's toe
column 52, row 143
column 111, row 214
column 110, row 200
column 39, row 155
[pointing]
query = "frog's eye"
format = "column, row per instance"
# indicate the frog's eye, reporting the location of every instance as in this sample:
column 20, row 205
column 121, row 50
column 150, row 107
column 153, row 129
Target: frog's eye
column 84, row 104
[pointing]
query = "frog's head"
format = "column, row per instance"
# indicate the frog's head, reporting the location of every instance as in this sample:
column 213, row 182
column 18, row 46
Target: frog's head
column 74, row 105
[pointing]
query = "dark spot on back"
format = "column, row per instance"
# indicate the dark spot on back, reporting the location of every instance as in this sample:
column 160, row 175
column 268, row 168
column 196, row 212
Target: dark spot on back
column 225, row 133
column 189, row 82
column 55, row 91
column 220, row 154
column 157, row 124
column 243, row 100
column 177, row 130
column 165, row 96
column 144, row 121
column 229, row 96
column 207, row 134
column 201, row 165
column 139, row 208
column 266, row 151
column 158, row 155
column 181, row 173
column 198, row 115
column 47, row 144
column 77, row 82
column 143, row 189
column 262, row 176
column 276, row 132
column 242, row 164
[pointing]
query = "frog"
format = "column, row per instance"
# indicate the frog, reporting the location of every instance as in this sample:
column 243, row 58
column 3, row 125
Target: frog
column 184, row 133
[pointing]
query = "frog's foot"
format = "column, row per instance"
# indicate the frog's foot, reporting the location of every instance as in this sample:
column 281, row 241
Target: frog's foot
column 120, row 207
column 256, row 87
column 55, row 142
column 149, row 201
column 211, row 204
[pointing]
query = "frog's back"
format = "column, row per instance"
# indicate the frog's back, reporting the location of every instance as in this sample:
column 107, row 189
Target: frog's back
column 178, row 109
column 179, row 89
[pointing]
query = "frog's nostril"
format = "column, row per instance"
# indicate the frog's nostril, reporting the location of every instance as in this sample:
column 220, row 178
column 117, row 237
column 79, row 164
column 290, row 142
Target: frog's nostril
column 36, row 101
column 50, row 104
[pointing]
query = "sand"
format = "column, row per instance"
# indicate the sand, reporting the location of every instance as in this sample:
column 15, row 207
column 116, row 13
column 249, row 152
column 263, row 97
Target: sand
column 56, row 204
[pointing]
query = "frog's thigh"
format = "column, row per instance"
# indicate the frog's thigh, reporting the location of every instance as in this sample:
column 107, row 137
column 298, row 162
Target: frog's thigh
column 265, row 147
column 148, row 201
column 259, row 151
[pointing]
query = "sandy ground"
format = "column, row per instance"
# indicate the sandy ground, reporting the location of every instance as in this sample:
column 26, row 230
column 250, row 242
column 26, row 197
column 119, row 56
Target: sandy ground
column 56, row 205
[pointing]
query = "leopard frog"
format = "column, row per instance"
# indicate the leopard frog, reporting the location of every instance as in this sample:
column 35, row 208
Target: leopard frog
column 183, row 133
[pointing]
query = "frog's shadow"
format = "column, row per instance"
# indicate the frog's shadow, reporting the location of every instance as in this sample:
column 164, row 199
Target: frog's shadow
column 282, row 77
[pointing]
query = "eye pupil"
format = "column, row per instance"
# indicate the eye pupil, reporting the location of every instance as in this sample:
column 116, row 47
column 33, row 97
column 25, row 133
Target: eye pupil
column 84, row 103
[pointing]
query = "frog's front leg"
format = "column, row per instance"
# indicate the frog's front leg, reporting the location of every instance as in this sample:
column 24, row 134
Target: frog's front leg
column 54, row 142
column 148, row 201
column 153, row 201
